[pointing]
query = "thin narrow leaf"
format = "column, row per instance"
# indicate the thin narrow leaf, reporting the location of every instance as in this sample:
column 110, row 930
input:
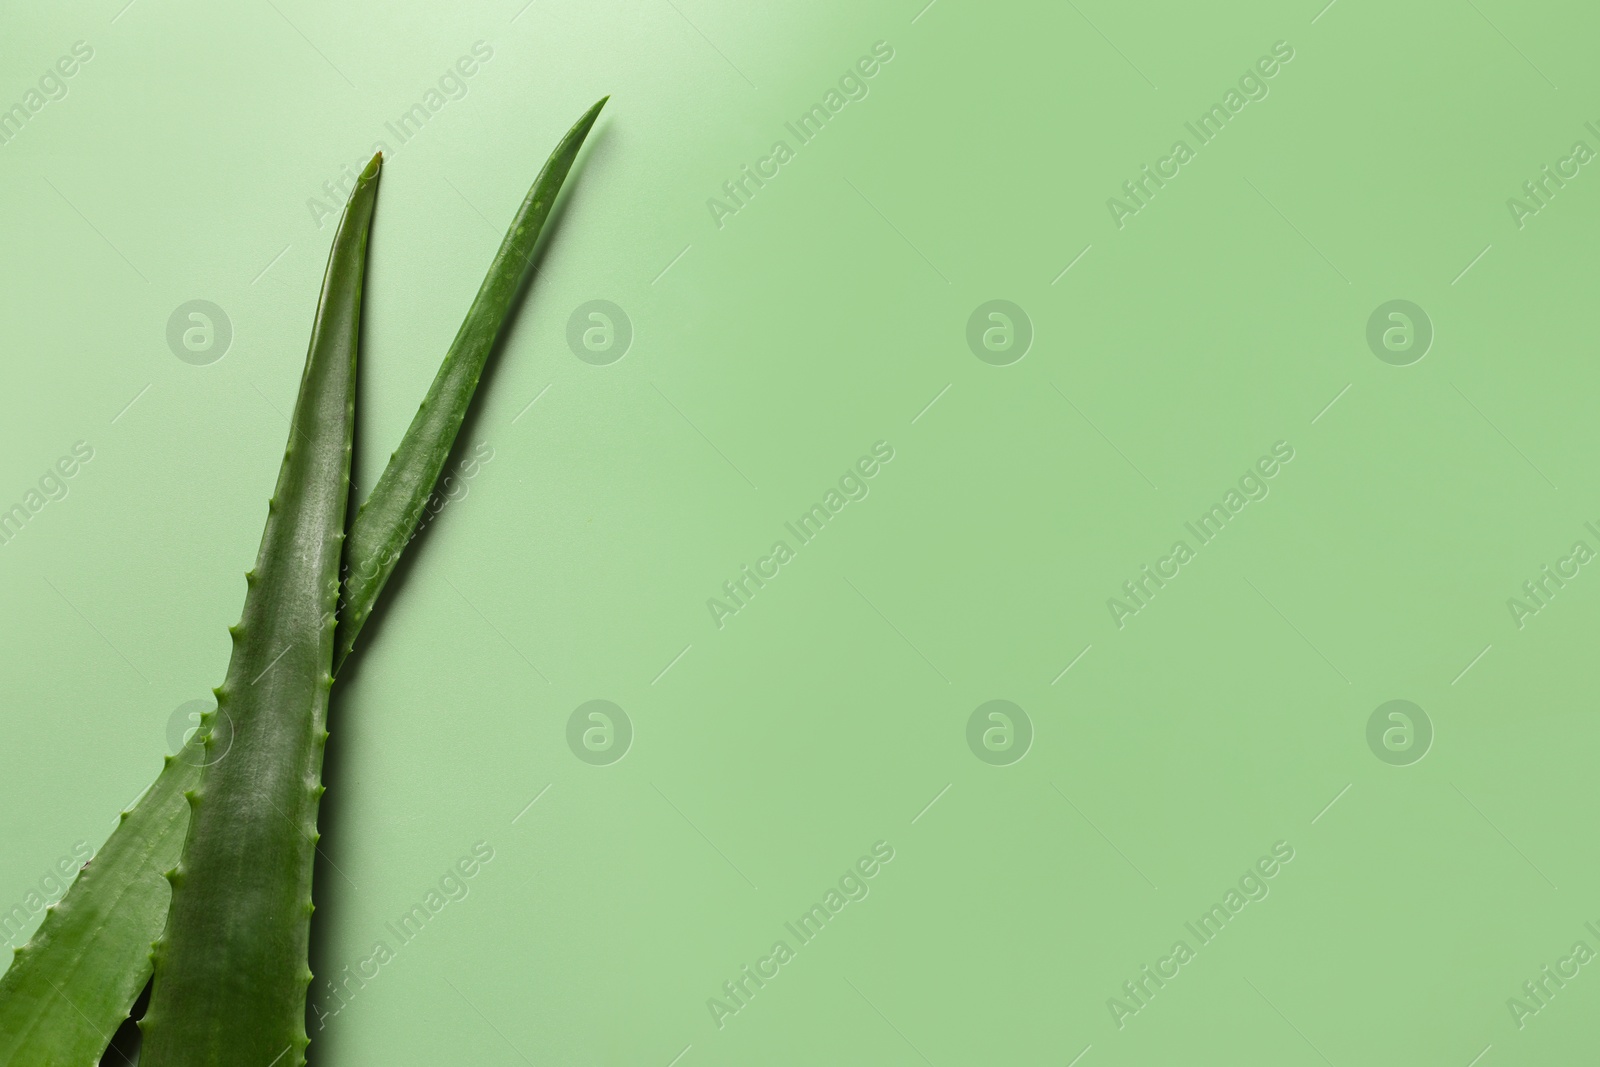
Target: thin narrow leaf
column 231, row 968
column 386, row 521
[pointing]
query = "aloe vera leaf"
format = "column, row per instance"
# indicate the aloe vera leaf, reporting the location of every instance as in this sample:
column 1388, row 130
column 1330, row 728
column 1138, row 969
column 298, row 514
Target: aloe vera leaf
column 231, row 974
column 386, row 521
column 71, row 985
column 94, row 945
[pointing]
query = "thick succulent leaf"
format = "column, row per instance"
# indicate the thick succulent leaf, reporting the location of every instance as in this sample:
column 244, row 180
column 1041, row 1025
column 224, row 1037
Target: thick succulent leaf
column 231, row 973
column 71, row 985
column 390, row 515
column 74, row 983
column 69, row 989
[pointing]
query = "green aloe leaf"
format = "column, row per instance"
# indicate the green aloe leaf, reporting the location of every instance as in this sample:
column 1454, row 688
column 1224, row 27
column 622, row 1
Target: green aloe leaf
column 76, row 980
column 69, row 989
column 72, row 984
column 390, row 515
column 230, row 973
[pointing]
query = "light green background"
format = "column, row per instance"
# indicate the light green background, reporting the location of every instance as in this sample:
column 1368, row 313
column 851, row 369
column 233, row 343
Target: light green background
column 822, row 318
